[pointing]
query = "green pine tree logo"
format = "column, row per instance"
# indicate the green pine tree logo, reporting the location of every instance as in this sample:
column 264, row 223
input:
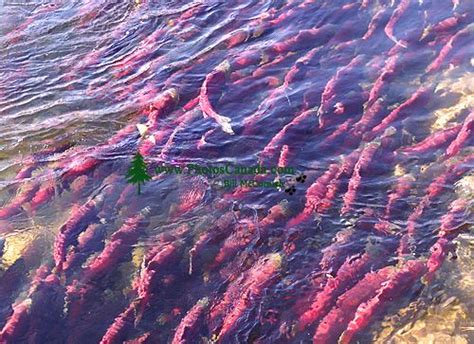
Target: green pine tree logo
column 137, row 173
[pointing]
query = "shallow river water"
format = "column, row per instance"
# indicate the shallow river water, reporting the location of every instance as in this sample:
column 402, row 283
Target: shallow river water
column 237, row 171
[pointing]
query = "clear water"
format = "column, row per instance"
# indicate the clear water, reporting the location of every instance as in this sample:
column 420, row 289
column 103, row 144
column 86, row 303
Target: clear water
column 75, row 73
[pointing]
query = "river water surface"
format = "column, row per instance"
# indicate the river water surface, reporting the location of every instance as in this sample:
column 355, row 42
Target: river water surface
column 123, row 125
